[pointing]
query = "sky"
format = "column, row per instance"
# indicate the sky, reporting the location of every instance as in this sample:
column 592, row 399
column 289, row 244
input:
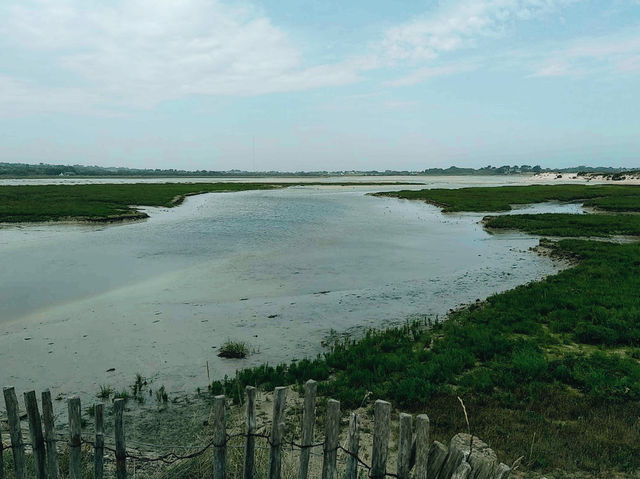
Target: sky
column 297, row 85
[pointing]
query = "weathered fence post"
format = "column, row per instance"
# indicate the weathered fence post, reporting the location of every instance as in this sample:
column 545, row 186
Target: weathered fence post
column 382, row 413
column 1, row 456
column 422, row 446
column 75, row 438
column 462, row 471
column 50, row 435
column 437, row 455
column 308, row 420
column 331, row 440
column 277, row 432
column 404, row 445
column 354, row 446
column 121, row 449
column 98, row 453
column 503, row 471
column 219, row 438
column 250, row 444
column 17, row 444
column 35, row 432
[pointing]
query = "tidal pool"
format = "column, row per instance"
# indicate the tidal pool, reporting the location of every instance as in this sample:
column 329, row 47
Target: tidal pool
column 82, row 306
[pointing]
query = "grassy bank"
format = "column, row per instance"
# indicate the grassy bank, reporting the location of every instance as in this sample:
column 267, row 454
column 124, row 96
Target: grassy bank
column 560, row 224
column 549, row 371
column 603, row 197
column 108, row 202
column 111, row 202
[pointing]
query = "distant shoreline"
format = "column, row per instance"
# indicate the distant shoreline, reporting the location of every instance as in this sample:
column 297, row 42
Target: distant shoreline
column 630, row 178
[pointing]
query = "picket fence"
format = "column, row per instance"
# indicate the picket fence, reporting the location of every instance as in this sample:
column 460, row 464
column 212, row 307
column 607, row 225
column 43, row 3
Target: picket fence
column 466, row 457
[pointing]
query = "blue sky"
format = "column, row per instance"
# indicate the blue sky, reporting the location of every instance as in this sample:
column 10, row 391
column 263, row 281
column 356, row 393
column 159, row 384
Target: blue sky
column 320, row 85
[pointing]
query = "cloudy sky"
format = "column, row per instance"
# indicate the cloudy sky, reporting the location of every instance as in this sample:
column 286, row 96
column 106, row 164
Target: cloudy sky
column 320, row 84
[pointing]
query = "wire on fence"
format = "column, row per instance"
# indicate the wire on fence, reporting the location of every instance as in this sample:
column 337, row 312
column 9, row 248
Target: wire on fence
column 172, row 457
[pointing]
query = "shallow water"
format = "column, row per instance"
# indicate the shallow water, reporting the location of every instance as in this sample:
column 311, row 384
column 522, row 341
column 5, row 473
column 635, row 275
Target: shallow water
column 277, row 269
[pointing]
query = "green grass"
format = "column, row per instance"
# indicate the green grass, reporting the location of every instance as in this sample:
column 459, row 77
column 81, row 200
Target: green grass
column 100, row 202
column 605, row 197
column 113, row 202
column 234, row 349
column 561, row 224
column 105, row 392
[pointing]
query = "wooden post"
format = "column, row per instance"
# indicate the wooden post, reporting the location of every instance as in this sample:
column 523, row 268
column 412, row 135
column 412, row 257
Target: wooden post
column 219, row 438
column 75, row 438
column 50, row 435
column 458, row 453
column 277, row 432
column 382, row 413
column 308, row 420
column 437, row 456
column 332, row 431
column 354, row 445
column 35, row 432
column 422, row 446
column 503, row 471
column 250, row 444
column 98, row 453
column 1, row 456
column 17, row 444
column 121, row 448
column 404, row 445
column 462, row 471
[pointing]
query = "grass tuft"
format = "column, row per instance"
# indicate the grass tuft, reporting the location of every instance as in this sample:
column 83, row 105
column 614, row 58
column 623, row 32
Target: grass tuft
column 234, row 349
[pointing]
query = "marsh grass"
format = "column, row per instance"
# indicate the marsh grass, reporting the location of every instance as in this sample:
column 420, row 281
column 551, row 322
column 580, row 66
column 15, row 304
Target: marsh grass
column 559, row 224
column 63, row 463
column 100, row 202
column 111, row 202
column 234, row 349
column 105, row 392
column 603, row 197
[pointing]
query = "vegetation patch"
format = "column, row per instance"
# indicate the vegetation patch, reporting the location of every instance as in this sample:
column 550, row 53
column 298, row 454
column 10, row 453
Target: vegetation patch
column 113, row 202
column 603, row 197
column 103, row 202
column 562, row 224
column 234, row 349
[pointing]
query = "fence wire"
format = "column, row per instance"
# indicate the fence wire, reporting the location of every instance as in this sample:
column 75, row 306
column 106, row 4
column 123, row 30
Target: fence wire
column 171, row 457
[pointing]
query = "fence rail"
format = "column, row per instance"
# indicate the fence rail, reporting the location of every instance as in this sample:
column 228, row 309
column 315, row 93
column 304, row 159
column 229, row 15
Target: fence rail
column 465, row 457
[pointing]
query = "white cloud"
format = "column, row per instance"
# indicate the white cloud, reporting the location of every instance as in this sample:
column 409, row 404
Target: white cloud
column 422, row 74
column 141, row 52
column 138, row 53
column 20, row 98
column 460, row 24
column 618, row 52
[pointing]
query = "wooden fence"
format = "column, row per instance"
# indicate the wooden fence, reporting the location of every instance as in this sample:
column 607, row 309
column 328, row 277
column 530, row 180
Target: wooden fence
column 464, row 458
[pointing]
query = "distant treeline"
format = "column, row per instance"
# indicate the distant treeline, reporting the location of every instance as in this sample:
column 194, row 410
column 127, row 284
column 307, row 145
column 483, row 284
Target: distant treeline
column 43, row 170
